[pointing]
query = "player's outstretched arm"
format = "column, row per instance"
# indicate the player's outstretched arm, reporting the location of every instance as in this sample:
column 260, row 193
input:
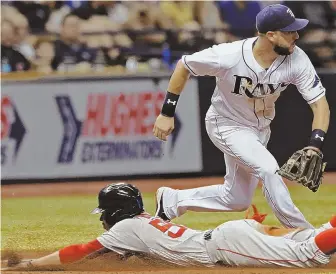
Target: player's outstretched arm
column 178, row 79
column 306, row 166
column 69, row 254
column 164, row 124
column 320, row 125
column 311, row 88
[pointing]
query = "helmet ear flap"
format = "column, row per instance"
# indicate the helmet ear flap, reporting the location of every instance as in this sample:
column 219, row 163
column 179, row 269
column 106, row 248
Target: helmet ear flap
column 113, row 216
column 102, row 216
column 109, row 217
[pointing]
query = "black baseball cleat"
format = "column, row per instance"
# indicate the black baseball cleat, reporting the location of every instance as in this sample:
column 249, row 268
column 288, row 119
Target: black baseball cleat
column 159, row 204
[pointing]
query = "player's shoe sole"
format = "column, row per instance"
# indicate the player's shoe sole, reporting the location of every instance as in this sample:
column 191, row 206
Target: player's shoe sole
column 159, row 204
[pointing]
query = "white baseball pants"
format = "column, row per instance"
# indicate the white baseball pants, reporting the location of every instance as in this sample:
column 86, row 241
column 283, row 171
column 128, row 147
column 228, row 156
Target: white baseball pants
column 247, row 161
column 239, row 243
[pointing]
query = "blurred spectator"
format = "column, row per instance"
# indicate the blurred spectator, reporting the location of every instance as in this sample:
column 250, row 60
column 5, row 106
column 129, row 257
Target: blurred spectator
column 70, row 53
column 319, row 13
column 21, row 29
column 333, row 7
column 7, row 11
column 104, row 16
column 114, row 57
column 179, row 12
column 37, row 12
column 91, row 8
column 209, row 23
column 107, row 52
column 73, row 4
column 318, row 38
column 95, row 17
column 202, row 11
column 240, row 16
column 21, row 36
column 116, row 12
column 189, row 39
column 11, row 59
column 44, row 55
column 97, row 34
column 56, row 18
column 146, row 17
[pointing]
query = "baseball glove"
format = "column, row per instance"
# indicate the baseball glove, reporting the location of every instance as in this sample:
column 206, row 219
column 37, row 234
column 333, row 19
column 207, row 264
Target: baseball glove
column 306, row 170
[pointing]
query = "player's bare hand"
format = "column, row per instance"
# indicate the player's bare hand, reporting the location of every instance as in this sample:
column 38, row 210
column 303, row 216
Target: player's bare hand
column 163, row 127
column 24, row 264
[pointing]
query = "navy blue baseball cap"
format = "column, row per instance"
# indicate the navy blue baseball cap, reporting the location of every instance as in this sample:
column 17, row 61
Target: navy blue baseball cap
column 278, row 17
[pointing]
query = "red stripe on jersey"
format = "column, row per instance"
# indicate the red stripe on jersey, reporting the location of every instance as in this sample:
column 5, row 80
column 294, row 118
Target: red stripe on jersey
column 268, row 260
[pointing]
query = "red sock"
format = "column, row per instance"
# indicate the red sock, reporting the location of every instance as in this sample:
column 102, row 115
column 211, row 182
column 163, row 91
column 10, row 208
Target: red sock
column 326, row 241
column 333, row 221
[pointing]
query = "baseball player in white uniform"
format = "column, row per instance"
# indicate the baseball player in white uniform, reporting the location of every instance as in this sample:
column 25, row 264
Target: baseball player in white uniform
column 250, row 76
column 132, row 231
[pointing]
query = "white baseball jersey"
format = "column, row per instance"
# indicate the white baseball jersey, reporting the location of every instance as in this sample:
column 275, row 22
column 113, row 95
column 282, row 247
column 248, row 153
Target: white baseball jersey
column 232, row 243
column 245, row 91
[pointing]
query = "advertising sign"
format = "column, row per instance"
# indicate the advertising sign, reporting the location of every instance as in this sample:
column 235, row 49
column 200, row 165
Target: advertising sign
column 82, row 128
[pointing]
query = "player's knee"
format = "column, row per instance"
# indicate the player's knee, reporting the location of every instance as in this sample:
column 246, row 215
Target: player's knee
column 232, row 201
column 269, row 170
column 241, row 206
column 236, row 203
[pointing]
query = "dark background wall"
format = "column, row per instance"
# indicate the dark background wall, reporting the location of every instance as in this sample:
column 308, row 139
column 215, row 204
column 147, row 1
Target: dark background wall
column 291, row 127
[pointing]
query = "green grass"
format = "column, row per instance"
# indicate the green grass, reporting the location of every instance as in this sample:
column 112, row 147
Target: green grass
column 49, row 223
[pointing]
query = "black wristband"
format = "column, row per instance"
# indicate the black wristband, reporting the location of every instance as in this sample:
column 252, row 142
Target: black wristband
column 317, row 138
column 169, row 104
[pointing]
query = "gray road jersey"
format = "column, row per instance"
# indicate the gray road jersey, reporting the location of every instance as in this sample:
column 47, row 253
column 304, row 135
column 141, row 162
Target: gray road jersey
column 163, row 240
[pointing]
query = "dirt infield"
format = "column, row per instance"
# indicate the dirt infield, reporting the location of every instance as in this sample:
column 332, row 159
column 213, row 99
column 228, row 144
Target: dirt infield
column 80, row 188
column 135, row 265
column 141, row 266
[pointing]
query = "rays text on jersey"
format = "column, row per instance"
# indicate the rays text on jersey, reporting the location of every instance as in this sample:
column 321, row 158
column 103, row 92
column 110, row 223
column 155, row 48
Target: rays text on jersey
column 244, row 84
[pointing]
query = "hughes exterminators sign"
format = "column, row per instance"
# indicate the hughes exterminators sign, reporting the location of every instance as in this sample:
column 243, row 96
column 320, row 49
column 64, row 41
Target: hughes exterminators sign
column 102, row 128
column 115, row 127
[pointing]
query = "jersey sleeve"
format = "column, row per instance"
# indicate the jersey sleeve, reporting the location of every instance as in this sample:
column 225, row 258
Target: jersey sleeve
column 211, row 61
column 74, row 253
column 122, row 237
column 306, row 80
